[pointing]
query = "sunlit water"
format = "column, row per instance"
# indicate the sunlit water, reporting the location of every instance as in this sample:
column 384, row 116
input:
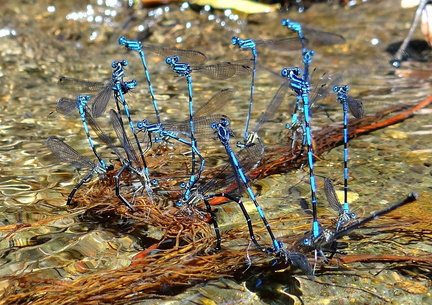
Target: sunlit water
column 40, row 42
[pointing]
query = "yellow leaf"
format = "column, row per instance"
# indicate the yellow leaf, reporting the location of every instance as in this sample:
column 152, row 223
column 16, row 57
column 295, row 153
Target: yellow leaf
column 244, row 6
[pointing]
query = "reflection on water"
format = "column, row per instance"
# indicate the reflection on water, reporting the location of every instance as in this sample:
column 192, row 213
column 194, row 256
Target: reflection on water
column 41, row 42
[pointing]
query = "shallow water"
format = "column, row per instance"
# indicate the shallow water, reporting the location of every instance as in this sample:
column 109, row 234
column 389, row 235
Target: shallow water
column 40, row 42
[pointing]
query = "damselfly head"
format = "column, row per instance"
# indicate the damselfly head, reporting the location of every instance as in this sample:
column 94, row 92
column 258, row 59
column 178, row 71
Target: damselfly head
column 122, row 40
column 235, row 40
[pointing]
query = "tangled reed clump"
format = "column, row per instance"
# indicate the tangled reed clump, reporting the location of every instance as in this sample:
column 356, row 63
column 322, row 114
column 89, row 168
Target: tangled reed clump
column 181, row 258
